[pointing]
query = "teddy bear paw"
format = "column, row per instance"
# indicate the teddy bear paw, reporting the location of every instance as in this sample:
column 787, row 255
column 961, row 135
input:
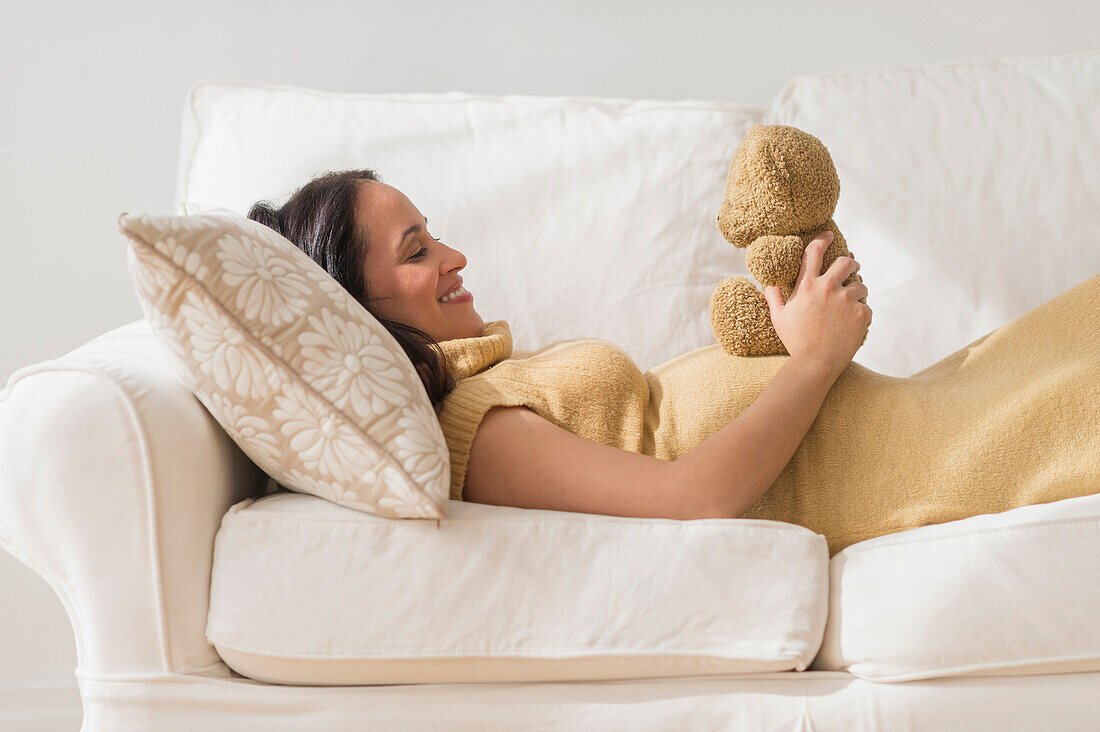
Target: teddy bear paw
column 741, row 320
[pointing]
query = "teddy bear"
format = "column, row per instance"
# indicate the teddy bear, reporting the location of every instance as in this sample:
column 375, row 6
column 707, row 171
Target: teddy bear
column 781, row 192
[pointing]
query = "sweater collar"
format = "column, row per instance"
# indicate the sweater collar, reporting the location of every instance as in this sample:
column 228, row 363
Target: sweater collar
column 469, row 356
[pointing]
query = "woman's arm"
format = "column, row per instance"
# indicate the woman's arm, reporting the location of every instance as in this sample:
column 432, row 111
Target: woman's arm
column 519, row 459
column 736, row 464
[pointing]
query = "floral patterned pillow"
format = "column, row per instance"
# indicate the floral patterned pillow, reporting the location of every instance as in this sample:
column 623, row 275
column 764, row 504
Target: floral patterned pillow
column 306, row 381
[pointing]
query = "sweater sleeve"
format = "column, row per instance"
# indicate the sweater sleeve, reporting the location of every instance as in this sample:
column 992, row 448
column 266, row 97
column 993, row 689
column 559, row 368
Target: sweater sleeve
column 461, row 414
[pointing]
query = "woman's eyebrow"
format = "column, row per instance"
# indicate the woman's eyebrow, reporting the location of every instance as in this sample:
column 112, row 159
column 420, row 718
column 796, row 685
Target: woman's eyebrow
column 410, row 230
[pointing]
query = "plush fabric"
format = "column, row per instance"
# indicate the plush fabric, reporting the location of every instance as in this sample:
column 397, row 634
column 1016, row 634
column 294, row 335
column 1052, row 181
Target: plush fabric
column 1009, row 420
column 781, row 192
column 306, row 381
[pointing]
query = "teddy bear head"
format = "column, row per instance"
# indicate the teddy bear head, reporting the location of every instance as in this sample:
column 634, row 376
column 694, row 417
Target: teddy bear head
column 781, row 181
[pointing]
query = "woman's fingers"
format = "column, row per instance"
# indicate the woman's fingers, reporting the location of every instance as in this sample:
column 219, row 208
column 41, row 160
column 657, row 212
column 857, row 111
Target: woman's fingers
column 814, row 255
column 841, row 269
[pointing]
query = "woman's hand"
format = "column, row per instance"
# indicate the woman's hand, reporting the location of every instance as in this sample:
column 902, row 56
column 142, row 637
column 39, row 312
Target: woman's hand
column 823, row 319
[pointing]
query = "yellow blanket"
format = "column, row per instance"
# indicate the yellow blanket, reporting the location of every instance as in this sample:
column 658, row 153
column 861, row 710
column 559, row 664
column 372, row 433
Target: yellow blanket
column 1009, row 420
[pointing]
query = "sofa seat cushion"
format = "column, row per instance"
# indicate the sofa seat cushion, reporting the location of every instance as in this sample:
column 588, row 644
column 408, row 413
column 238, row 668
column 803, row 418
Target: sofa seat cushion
column 1011, row 593
column 308, row 592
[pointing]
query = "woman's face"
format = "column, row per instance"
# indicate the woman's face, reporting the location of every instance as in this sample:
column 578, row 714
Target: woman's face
column 407, row 271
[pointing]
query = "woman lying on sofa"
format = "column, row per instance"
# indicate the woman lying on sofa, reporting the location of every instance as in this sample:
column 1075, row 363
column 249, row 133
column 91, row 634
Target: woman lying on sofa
column 811, row 438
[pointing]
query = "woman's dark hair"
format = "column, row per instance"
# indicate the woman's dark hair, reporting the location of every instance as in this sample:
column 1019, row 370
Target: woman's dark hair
column 319, row 218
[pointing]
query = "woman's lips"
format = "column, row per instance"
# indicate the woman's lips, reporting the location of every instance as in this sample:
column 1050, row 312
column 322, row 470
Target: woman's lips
column 461, row 298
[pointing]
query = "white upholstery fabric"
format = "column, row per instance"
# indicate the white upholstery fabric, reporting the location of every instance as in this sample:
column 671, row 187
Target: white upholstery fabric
column 1007, row 593
column 806, row 701
column 307, row 592
column 113, row 480
column 579, row 218
column 950, row 178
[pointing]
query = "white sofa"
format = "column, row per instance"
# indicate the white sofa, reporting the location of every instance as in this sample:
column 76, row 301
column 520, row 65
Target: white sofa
column 964, row 193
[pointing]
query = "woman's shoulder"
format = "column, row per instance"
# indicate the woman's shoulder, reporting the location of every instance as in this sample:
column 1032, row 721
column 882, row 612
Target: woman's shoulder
column 577, row 351
column 569, row 372
column 490, row 362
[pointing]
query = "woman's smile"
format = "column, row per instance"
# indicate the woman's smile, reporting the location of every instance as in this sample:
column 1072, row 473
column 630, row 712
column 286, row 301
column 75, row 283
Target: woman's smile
column 461, row 294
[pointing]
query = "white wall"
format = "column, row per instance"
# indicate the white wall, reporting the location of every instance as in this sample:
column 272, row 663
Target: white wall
column 91, row 96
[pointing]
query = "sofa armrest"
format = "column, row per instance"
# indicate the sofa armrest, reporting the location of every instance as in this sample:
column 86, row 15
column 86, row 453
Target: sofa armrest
column 113, row 481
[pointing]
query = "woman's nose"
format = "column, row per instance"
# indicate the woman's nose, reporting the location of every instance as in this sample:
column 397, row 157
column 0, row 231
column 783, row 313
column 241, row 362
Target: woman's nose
column 457, row 259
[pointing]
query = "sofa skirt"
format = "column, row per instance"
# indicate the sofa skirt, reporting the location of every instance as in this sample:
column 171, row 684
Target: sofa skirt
column 792, row 700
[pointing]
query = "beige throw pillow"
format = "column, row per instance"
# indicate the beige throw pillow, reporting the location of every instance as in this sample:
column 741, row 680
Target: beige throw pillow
column 302, row 377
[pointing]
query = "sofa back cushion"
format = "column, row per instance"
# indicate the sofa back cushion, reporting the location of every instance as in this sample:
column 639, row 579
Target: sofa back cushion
column 966, row 191
column 303, row 378
column 579, row 217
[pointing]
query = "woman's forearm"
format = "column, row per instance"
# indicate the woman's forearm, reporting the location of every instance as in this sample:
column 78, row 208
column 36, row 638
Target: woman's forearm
column 734, row 466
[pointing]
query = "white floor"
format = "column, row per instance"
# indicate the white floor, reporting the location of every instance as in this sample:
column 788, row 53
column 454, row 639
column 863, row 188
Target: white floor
column 40, row 707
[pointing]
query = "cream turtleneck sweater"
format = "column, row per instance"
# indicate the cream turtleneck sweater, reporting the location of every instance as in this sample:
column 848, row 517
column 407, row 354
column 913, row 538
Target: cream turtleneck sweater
column 1011, row 419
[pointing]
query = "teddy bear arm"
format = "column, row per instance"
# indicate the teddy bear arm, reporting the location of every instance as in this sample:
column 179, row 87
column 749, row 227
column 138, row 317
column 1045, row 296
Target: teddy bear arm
column 775, row 260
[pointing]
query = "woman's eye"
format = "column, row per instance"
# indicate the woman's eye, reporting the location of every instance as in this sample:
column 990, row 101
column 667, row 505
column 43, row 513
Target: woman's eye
column 423, row 251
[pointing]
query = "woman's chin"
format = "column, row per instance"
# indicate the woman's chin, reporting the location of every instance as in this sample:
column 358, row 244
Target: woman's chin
column 470, row 326
column 478, row 325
